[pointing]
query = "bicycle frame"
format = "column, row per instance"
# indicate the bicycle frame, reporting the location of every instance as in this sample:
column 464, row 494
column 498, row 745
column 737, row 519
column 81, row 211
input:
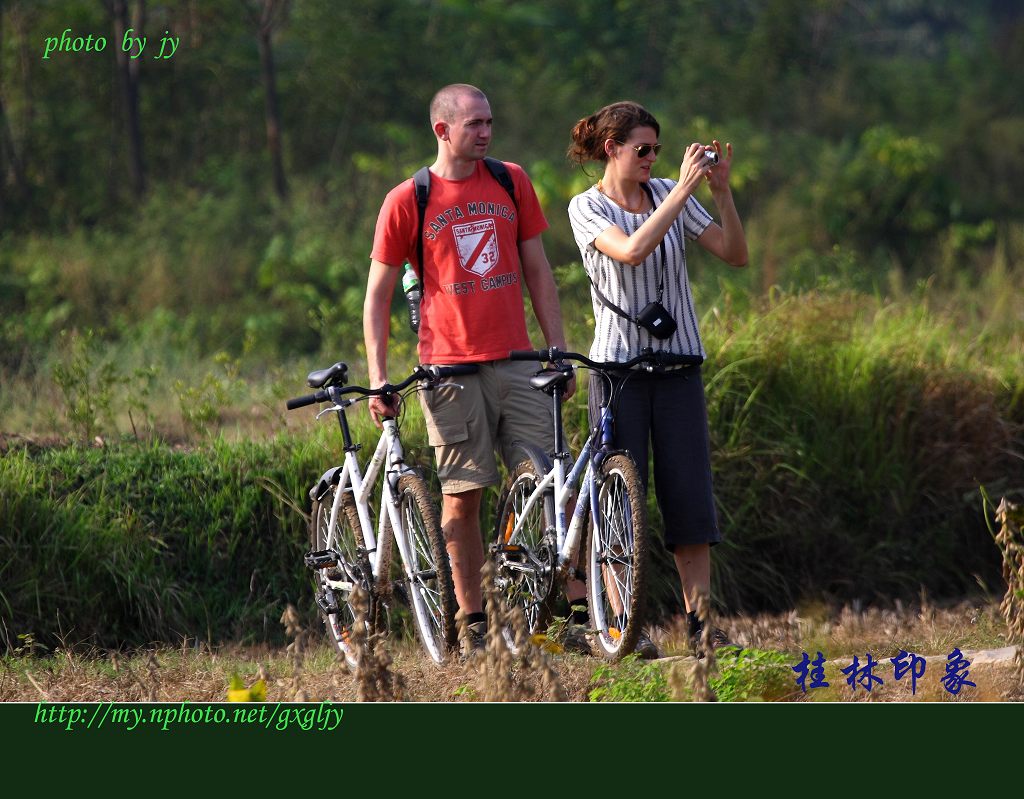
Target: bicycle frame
column 586, row 465
column 599, row 445
column 349, row 549
column 389, row 456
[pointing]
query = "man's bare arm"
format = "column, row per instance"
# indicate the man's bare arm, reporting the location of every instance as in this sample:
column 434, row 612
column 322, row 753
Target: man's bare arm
column 544, row 295
column 380, row 286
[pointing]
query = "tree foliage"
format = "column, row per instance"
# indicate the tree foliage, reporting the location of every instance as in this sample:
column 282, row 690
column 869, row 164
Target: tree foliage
column 891, row 129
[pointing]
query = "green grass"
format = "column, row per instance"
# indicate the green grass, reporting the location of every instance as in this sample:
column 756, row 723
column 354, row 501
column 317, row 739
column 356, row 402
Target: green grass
column 629, row 680
column 748, row 675
column 850, row 437
column 123, row 545
column 752, row 675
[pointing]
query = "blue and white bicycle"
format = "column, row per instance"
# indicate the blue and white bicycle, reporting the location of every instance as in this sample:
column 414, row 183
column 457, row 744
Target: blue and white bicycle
column 535, row 546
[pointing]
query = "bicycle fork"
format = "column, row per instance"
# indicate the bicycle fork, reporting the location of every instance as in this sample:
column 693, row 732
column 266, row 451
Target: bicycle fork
column 348, row 479
column 403, row 535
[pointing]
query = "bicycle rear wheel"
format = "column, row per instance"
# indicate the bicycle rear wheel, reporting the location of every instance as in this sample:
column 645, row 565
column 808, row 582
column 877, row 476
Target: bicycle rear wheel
column 428, row 578
column 524, row 560
column 334, row 584
column 616, row 566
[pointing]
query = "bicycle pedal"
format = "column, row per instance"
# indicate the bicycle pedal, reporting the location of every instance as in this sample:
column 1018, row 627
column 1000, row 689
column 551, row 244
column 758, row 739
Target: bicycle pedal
column 327, row 603
column 322, row 559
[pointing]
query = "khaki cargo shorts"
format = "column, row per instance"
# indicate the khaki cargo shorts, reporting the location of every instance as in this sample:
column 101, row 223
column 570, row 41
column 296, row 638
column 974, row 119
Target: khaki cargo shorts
column 495, row 408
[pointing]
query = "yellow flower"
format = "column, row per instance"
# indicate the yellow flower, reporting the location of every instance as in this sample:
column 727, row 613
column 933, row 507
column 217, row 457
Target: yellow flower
column 237, row 692
column 545, row 643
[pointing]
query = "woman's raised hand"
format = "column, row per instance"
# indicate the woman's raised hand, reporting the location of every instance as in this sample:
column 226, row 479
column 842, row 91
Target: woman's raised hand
column 718, row 177
column 694, row 166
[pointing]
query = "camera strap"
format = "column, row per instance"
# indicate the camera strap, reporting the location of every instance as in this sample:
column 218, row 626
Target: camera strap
column 661, row 277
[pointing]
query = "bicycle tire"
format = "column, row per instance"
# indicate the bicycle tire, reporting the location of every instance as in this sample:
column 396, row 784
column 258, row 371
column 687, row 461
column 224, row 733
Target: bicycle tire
column 617, row 558
column 515, row 556
column 353, row 568
column 430, row 588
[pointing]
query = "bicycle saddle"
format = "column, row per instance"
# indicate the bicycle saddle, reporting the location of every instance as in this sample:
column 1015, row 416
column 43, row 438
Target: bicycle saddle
column 547, row 379
column 321, row 377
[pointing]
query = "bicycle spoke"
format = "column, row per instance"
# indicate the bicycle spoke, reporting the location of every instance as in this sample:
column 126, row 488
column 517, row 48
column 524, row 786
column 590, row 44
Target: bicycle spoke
column 335, row 584
column 423, row 567
column 618, row 547
column 427, row 575
column 523, row 557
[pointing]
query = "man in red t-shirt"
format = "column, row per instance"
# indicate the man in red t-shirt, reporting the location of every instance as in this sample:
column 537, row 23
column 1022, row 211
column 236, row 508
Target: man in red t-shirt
column 479, row 248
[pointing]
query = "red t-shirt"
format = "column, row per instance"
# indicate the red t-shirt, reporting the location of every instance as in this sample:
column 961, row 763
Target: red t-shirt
column 472, row 307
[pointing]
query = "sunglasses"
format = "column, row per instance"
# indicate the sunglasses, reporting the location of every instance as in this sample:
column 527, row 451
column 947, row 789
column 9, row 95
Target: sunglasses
column 643, row 150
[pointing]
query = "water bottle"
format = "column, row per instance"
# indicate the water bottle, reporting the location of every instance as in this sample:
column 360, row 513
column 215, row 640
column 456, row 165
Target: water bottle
column 413, row 295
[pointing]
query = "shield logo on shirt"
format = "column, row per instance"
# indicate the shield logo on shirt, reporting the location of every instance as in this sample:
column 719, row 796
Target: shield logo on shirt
column 478, row 246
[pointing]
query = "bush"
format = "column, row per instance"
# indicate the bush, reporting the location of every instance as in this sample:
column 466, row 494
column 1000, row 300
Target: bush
column 849, row 437
column 125, row 545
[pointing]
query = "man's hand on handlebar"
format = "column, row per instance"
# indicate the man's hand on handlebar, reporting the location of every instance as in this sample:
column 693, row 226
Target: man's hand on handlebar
column 570, row 387
column 380, row 407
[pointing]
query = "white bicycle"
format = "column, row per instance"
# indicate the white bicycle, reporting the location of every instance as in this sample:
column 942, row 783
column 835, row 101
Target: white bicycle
column 349, row 550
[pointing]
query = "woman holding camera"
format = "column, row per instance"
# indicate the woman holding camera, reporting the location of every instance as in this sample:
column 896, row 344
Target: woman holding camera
column 632, row 231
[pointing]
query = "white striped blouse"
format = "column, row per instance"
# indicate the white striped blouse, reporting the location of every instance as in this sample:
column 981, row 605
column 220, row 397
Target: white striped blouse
column 633, row 287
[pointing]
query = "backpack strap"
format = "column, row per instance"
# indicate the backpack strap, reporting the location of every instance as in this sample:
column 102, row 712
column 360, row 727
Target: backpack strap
column 421, row 184
column 500, row 173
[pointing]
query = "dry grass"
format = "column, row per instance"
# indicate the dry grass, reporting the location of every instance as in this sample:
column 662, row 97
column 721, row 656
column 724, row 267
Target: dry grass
column 704, row 667
column 1010, row 518
column 396, row 668
column 501, row 675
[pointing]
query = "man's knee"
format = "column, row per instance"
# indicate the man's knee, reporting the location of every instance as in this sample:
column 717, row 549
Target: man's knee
column 463, row 506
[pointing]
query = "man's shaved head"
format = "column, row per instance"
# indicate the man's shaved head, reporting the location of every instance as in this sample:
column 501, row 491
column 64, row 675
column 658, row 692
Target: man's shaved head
column 446, row 102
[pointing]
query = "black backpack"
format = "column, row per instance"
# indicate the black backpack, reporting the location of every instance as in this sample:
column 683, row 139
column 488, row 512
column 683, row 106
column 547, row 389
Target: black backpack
column 421, row 182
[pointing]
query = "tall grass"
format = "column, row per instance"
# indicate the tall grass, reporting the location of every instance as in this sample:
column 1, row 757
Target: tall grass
column 850, row 436
column 124, row 545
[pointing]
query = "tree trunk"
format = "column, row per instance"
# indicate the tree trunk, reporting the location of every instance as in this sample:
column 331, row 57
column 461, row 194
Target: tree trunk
column 10, row 163
column 128, row 77
column 268, row 75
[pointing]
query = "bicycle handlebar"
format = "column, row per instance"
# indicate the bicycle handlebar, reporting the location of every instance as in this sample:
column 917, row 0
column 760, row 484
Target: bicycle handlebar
column 309, row 399
column 647, row 356
column 439, row 372
column 429, row 374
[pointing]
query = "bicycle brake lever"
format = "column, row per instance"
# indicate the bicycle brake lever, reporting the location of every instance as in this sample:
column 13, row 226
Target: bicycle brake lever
column 332, row 409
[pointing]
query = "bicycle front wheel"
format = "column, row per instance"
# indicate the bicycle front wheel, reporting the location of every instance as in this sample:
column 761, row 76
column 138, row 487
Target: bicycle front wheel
column 616, row 566
column 428, row 577
column 525, row 557
column 334, row 584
